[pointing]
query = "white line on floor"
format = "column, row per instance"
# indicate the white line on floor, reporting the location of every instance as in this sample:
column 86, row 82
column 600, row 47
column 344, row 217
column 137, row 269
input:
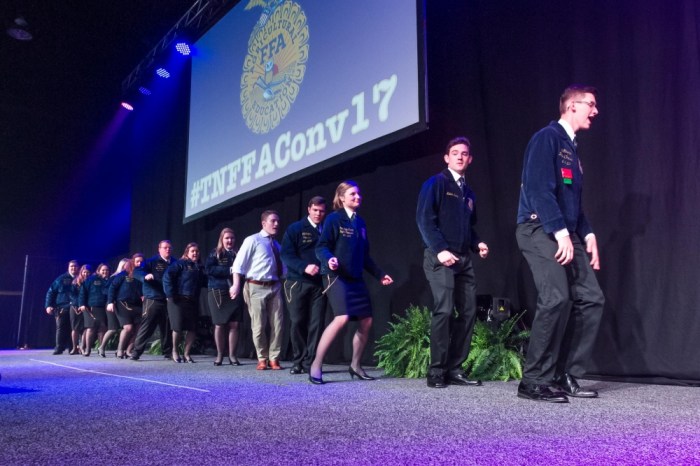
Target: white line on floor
column 122, row 376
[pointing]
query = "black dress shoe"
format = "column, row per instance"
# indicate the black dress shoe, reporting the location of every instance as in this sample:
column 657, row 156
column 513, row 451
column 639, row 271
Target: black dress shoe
column 436, row 382
column 296, row 370
column 58, row 351
column 461, row 379
column 134, row 357
column 570, row 386
column 538, row 392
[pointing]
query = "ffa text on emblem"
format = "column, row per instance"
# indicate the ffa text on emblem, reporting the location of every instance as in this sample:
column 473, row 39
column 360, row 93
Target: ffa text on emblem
column 275, row 64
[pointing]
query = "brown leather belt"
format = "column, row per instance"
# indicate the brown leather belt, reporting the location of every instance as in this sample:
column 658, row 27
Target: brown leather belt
column 268, row 283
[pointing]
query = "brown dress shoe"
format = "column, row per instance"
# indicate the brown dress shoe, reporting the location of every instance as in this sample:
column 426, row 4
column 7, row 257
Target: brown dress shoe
column 262, row 365
column 275, row 365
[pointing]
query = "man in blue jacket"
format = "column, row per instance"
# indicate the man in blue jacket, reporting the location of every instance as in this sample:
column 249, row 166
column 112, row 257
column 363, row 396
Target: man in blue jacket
column 561, row 249
column 303, row 289
column 58, row 305
column 446, row 216
column 155, row 311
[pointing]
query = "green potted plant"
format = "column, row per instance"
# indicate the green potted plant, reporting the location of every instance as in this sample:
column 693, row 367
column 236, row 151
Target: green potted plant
column 496, row 351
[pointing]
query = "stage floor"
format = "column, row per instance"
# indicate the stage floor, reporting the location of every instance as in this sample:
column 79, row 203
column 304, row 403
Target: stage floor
column 72, row 409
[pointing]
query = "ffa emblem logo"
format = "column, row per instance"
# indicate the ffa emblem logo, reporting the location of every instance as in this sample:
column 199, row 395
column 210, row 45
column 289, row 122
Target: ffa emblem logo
column 274, row 67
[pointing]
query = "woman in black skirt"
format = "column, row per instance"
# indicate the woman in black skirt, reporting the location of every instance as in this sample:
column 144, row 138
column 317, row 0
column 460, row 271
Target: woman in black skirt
column 93, row 301
column 226, row 313
column 182, row 281
column 125, row 296
column 343, row 250
column 76, row 320
column 112, row 322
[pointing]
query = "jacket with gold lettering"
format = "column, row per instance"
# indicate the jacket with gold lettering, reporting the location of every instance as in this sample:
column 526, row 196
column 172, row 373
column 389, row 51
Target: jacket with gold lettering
column 347, row 241
column 551, row 183
column 445, row 217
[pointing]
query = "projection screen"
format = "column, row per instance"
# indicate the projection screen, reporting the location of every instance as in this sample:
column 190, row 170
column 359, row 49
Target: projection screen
column 284, row 88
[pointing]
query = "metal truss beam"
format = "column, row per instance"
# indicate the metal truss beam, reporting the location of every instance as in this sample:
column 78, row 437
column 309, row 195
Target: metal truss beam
column 193, row 23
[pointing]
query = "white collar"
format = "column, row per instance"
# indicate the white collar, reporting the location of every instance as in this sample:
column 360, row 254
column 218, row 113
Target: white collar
column 312, row 223
column 567, row 127
column 456, row 175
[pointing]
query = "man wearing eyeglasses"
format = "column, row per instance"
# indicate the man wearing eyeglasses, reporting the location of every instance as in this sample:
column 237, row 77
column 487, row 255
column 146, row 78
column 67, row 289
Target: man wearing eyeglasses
column 561, row 249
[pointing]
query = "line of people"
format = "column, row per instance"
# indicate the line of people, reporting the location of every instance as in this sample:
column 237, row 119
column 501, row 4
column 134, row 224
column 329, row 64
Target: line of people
column 323, row 259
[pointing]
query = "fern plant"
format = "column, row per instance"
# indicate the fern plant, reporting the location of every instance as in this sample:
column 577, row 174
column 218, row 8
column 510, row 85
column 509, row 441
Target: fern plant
column 496, row 351
column 405, row 350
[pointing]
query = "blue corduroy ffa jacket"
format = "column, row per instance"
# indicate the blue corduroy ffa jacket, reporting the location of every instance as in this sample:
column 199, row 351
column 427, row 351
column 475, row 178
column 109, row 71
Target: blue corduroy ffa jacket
column 552, row 182
column 445, row 217
column 348, row 243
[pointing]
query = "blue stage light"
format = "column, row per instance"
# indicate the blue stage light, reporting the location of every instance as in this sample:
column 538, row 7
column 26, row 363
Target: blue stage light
column 128, row 106
column 144, row 91
column 183, row 48
column 163, row 73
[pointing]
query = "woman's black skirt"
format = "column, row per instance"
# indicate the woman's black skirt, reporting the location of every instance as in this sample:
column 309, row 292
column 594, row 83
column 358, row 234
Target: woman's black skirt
column 347, row 297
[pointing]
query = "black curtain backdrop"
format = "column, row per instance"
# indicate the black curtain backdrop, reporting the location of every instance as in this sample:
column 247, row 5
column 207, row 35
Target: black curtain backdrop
column 495, row 73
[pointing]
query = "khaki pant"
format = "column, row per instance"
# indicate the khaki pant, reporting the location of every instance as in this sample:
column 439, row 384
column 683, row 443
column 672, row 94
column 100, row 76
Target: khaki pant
column 265, row 305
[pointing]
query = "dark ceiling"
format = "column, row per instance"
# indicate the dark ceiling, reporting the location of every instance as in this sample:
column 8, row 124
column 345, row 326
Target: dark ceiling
column 59, row 90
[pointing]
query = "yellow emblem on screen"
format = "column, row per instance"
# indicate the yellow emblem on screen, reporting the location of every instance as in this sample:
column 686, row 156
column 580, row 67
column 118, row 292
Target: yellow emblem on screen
column 275, row 64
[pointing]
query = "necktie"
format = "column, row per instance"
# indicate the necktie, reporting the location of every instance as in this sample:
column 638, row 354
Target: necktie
column 462, row 185
column 278, row 260
column 575, row 142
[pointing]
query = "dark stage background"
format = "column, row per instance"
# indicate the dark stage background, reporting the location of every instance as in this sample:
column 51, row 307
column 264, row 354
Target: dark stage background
column 495, row 73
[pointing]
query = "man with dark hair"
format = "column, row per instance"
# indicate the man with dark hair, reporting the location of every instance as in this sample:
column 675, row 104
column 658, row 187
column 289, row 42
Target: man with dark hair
column 155, row 310
column 259, row 262
column 551, row 233
column 303, row 289
column 446, row 217
column 58, row 299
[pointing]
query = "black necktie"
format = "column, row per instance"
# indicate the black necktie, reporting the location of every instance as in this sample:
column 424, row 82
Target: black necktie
column 462, row 186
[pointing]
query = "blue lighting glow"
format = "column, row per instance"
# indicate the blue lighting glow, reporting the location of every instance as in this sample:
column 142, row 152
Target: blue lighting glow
column 144, row 91
column 163, row 73
column 128, row 106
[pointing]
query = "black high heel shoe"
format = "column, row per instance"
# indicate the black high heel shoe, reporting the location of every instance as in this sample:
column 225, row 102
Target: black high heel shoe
column 353, row 373
column 120, row 356
column 176, row 358
column 188, row 359
column 219, row 362
column 316, row 380
column 102, row 353
column 234, row 362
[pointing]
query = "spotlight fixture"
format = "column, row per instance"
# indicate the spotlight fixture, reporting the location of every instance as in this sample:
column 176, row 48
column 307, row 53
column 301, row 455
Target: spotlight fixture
column 163, row 73
column 183, row 48
column 144, row 90
column 128, row 106
column 19, row 29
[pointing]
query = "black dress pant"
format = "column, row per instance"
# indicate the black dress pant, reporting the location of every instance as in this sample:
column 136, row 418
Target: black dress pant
column 307, row 309
column 454, row 312
column 63, row 328
column 155, row 315
column 569, row 307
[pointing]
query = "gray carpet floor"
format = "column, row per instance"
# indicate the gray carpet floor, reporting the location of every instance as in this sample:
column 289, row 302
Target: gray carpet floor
column 65, row 409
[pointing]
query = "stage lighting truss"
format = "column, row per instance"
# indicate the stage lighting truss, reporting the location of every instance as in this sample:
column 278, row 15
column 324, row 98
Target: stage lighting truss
column 201, row 15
